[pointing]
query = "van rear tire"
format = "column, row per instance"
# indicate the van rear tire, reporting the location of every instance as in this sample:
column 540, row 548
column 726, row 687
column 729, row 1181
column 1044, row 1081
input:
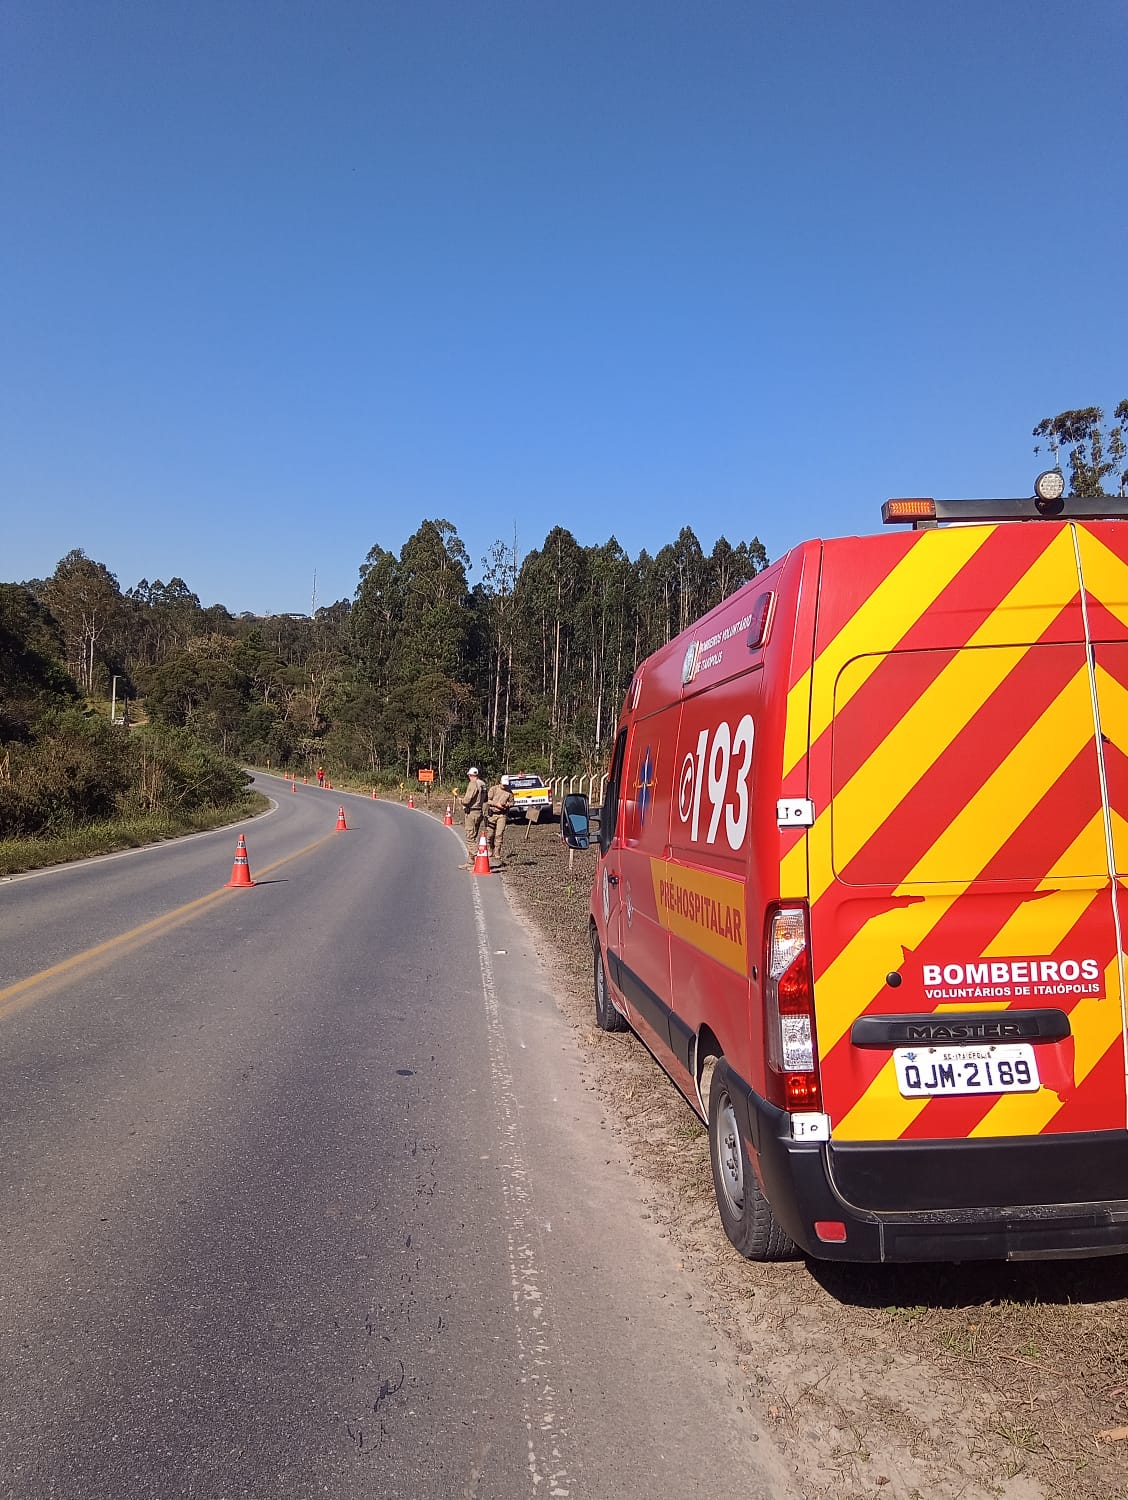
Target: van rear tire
column 745, row 1213
column 607, row 1018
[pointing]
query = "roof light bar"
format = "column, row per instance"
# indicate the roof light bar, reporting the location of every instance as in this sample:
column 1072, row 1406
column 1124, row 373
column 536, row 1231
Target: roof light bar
column 1049, row 502
column 919, row 509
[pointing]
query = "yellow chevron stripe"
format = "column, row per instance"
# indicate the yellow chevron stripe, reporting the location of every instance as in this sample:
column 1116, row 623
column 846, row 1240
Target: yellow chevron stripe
column 1106, row 575
column 908, row 751
column 1113, row 700
column 983, row 825
column 793, row 867
column 1096, row 1028
column 902, row 596
column 881, row 1114
column 1012, row 792
column 1037, row 928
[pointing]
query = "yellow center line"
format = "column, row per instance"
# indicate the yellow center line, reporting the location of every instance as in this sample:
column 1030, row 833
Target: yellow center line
column 35, row 987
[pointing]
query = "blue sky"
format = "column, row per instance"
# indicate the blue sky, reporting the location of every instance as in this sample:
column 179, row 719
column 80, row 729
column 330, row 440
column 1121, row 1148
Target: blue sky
column 278, row 281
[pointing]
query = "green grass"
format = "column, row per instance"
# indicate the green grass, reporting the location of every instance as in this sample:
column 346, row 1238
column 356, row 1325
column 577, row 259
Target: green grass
column 18, row 855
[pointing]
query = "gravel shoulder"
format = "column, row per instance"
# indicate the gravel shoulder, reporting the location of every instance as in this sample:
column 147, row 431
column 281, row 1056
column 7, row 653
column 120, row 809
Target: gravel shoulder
column 941, row 1381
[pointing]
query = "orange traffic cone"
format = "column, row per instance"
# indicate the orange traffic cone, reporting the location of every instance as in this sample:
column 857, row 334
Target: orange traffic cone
column 342, row 826
column 482, row 859
column 328, row 784
column 293, row 786
column 241, row 870
column 448, row 818
column 374, row 794
column 305, row 781
column 410, row 800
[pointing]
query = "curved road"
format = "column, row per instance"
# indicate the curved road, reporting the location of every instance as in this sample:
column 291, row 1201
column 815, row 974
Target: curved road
column 301, row 1194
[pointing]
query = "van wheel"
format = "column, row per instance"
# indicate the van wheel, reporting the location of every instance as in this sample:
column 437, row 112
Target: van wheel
column 745, row 1213
column 607, row 1018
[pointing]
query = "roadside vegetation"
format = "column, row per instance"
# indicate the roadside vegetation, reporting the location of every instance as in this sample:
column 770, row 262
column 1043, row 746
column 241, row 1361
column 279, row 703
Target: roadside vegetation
column 20, row 854
column 71, row 782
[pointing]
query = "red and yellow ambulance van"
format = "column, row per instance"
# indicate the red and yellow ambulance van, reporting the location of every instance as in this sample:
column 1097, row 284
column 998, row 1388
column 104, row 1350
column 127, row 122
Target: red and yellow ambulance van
column 861, row 886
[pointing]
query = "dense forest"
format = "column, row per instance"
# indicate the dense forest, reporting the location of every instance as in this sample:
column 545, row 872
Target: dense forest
column 419, row 668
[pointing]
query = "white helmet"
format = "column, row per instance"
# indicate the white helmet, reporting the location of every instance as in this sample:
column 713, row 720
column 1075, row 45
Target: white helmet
column 505, row 781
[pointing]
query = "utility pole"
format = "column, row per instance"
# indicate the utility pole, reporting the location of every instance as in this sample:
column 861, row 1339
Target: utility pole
column 313, row 600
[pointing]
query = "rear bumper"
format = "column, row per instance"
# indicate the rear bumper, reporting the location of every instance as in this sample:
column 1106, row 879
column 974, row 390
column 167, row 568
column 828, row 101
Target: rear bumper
column 537, row 812
column 1029, row 1198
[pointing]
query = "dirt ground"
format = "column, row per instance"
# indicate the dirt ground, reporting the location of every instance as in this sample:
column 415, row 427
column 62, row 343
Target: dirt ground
column 935, row 1381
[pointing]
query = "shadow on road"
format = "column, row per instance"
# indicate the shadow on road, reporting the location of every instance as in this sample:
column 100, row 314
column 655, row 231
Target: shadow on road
column 975, row 1283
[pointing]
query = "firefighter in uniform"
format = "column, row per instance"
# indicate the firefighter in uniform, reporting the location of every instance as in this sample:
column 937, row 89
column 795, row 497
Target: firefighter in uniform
column 499, row 800
column 474, row 806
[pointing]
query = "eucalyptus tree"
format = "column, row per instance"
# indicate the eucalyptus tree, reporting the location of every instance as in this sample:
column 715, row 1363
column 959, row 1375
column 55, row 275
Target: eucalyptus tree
column 417, row 648
column 607, row 603
column 84, row 597
column 680, row 578
column 155, row 620
column 375, row 617
column 646, row 606
column 729, row 568
column 497, row 598
column 693, row 591
column 547, row 589
column 1094, row 455
column 433, row 592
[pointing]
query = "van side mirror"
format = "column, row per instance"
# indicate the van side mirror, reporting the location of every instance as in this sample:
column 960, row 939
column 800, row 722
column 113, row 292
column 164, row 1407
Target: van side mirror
column 575, row 821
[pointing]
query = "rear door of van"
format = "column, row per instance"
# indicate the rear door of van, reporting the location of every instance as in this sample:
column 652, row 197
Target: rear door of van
column 968, row 709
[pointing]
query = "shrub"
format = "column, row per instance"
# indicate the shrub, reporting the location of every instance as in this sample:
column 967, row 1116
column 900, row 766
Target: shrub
column 71, row 772
column 173, row 772
column 78, row 770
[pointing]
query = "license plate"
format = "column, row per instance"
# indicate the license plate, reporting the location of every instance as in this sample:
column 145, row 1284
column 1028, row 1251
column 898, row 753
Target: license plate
column 926, row 1072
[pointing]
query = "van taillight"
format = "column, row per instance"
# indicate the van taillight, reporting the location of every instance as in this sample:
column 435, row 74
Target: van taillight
column 789, row 1013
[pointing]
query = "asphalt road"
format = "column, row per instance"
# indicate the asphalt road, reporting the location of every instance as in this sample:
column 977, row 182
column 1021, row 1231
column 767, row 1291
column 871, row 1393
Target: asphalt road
column 301, row 1193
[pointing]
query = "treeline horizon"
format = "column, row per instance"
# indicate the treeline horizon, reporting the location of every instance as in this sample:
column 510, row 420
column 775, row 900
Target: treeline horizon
column 525, row 669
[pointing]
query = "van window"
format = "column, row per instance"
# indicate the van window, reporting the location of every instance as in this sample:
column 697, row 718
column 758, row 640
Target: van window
column 609, row 814
column 962, row 766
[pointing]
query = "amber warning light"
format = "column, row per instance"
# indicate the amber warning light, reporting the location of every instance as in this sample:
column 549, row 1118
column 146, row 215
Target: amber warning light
column 919, row 509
